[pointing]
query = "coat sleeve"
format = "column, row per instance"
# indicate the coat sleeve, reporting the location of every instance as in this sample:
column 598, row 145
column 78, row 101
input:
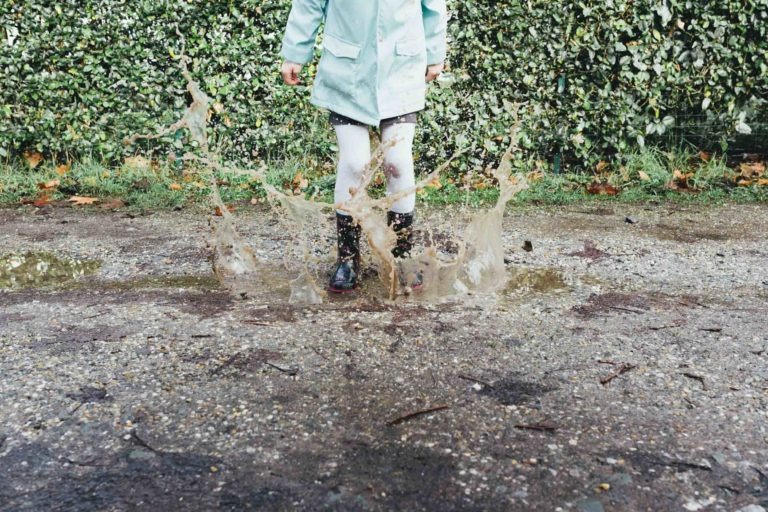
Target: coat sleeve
column 301, row 30
column 435, row 16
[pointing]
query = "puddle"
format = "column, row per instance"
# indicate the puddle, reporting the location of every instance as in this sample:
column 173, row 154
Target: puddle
column 538, row 280
column 42, row 269
column 475, row 265
column 198, row 282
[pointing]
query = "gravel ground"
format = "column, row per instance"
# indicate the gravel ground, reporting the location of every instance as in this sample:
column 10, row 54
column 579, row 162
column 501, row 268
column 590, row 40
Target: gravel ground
column 624, row 367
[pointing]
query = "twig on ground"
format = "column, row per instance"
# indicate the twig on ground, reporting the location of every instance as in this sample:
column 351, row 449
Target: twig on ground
column 317, row 351
column 96, row 315
column 542, row 427
column 289, row 371
column 472, row 379
column 415, row 414
column 629, row 310
column 661, row 327
column 622, row 368
column 698, row 378
column 135, row 439
column 257, row 322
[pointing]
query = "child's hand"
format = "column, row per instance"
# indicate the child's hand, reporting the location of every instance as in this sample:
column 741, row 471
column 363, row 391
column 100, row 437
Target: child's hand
column 433, row 71
column 290, row 72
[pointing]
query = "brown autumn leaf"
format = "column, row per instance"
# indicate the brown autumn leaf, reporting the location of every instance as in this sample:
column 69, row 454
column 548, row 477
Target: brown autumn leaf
column 43, row 199
column 299, row 181
column 33, row 158
column 175, row 186
column 82, row 201
column 752, row 169
column 49, row 185
column 63, row 169
column 644, row 176
column 601, row 166
column 763, row 182
column 679, row 181
column 534, row 176
column 217, row 212
column 705, row 156
column 435, row 183
column 597, row 188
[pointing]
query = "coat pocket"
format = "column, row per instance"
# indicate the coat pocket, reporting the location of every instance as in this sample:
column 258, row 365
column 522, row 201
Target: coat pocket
column 410, row 64
column 338, row 67
column 410, row 48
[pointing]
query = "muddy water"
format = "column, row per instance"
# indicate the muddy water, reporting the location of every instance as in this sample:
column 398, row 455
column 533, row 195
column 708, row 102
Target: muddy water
column 477, row 266
column 42, row 269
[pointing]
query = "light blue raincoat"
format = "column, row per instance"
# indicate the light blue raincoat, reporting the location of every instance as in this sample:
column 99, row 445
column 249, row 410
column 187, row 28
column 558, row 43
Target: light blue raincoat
column 375, row 53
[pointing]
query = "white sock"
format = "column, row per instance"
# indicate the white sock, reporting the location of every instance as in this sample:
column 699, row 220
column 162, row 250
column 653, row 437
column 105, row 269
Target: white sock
column 398, row 164
column 354, row 154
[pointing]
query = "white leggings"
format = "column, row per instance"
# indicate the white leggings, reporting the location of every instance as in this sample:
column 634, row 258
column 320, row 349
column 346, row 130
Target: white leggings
column 355, row 153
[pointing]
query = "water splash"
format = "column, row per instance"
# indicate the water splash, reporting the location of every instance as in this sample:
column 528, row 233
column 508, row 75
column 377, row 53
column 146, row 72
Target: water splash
column 478, row 265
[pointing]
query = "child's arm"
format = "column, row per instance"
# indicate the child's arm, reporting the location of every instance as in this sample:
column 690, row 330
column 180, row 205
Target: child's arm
column 300, row 35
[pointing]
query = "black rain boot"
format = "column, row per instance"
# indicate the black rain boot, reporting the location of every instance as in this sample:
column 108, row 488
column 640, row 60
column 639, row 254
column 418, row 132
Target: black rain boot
column 402, row 224
column 344, row 278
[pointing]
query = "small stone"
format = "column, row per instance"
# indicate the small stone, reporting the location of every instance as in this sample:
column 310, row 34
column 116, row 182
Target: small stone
column 752, row 508
column 604, row 487
column 719, row 458
column 621, row 479
column 141, row 455
column 214, row 469
column 590, row 506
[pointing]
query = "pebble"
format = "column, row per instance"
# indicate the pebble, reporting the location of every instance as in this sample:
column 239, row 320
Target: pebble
column 590, row 506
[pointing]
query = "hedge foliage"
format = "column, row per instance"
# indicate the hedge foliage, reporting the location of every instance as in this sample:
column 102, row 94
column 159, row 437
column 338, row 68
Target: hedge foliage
column 593, row 77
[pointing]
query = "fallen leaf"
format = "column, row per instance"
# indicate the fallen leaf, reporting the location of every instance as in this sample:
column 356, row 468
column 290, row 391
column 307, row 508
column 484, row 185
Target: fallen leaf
column 42, row 200
column 705, row 156
column 763, row 182
column 49, row 185
column 63, row 169
column 113, row 204
column 138, row 162
column 217, row 212
column 601, row 166
column 644, row 176
column 752, row 169
column 33, row 158
column 602, row 189
column 679, row 181
column 535, row 176
column 175, row 186
column 82, row 201
column 435, row 183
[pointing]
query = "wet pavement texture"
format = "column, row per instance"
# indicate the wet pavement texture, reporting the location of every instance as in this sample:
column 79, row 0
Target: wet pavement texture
column 623, row 367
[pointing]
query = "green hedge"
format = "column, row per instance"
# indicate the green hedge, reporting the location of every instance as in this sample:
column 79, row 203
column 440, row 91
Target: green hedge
column 593, row 78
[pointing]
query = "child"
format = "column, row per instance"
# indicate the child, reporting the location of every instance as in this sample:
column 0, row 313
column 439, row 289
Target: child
column 377, row 57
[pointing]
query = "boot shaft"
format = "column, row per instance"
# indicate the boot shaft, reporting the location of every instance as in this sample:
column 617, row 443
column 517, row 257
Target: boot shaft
column 347, row 237
column 402, row 225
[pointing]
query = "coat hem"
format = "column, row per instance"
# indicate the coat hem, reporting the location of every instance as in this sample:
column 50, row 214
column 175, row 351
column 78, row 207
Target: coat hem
column 352, row 114
column 370, row 121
